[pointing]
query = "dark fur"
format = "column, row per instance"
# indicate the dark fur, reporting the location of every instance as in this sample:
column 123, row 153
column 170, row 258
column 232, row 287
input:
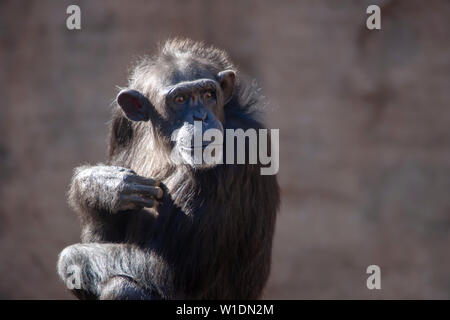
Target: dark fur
column 211, row 236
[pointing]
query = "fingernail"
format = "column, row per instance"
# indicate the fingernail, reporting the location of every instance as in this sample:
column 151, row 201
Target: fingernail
column 160, row 193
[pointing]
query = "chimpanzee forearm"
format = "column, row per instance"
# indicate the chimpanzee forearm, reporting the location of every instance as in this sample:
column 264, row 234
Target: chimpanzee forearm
column 113, row 271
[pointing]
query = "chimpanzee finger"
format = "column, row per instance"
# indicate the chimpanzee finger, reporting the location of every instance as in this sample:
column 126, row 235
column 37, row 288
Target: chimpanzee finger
column 143, row 190
column 143, row 180
column 147, row 203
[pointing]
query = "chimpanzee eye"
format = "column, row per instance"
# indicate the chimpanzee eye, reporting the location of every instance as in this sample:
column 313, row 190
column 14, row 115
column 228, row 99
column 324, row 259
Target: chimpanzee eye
column 179, row 99
column 208, row 95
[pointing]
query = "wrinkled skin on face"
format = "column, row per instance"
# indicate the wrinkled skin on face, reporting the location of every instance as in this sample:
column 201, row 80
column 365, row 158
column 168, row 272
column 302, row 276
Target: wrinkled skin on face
column 177, row 97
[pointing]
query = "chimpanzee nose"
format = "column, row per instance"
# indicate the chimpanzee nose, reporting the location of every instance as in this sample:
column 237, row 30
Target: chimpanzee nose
column 200, row 115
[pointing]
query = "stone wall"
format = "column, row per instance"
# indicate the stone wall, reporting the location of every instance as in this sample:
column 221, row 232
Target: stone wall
column 364, row 120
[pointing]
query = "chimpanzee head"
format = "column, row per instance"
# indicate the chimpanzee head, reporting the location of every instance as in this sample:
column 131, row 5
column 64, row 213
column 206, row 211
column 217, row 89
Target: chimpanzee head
column 174, row 90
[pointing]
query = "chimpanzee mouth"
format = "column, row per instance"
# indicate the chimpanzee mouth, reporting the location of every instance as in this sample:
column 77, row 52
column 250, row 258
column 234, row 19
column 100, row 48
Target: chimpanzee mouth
column 200, row 157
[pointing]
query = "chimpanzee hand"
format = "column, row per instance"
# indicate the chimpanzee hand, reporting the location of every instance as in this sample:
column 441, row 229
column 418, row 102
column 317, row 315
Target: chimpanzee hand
column 113, row 189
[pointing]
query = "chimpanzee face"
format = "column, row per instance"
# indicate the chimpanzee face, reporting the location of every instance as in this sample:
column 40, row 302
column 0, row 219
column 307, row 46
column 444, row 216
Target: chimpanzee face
column 188, row 100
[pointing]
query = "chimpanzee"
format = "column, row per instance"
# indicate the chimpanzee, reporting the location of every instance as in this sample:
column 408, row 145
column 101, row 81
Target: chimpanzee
column 155, row 228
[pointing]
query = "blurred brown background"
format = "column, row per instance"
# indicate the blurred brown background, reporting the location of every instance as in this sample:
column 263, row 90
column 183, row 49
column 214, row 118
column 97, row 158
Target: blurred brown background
column 364, row 120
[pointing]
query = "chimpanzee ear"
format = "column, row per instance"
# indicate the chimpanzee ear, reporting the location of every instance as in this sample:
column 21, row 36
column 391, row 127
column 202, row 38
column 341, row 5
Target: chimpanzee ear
column 227, row 80
column 135, row 105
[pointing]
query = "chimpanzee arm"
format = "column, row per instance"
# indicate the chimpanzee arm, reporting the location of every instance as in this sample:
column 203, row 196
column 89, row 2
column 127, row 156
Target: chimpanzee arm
column 113, row 271
column 99, row 194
